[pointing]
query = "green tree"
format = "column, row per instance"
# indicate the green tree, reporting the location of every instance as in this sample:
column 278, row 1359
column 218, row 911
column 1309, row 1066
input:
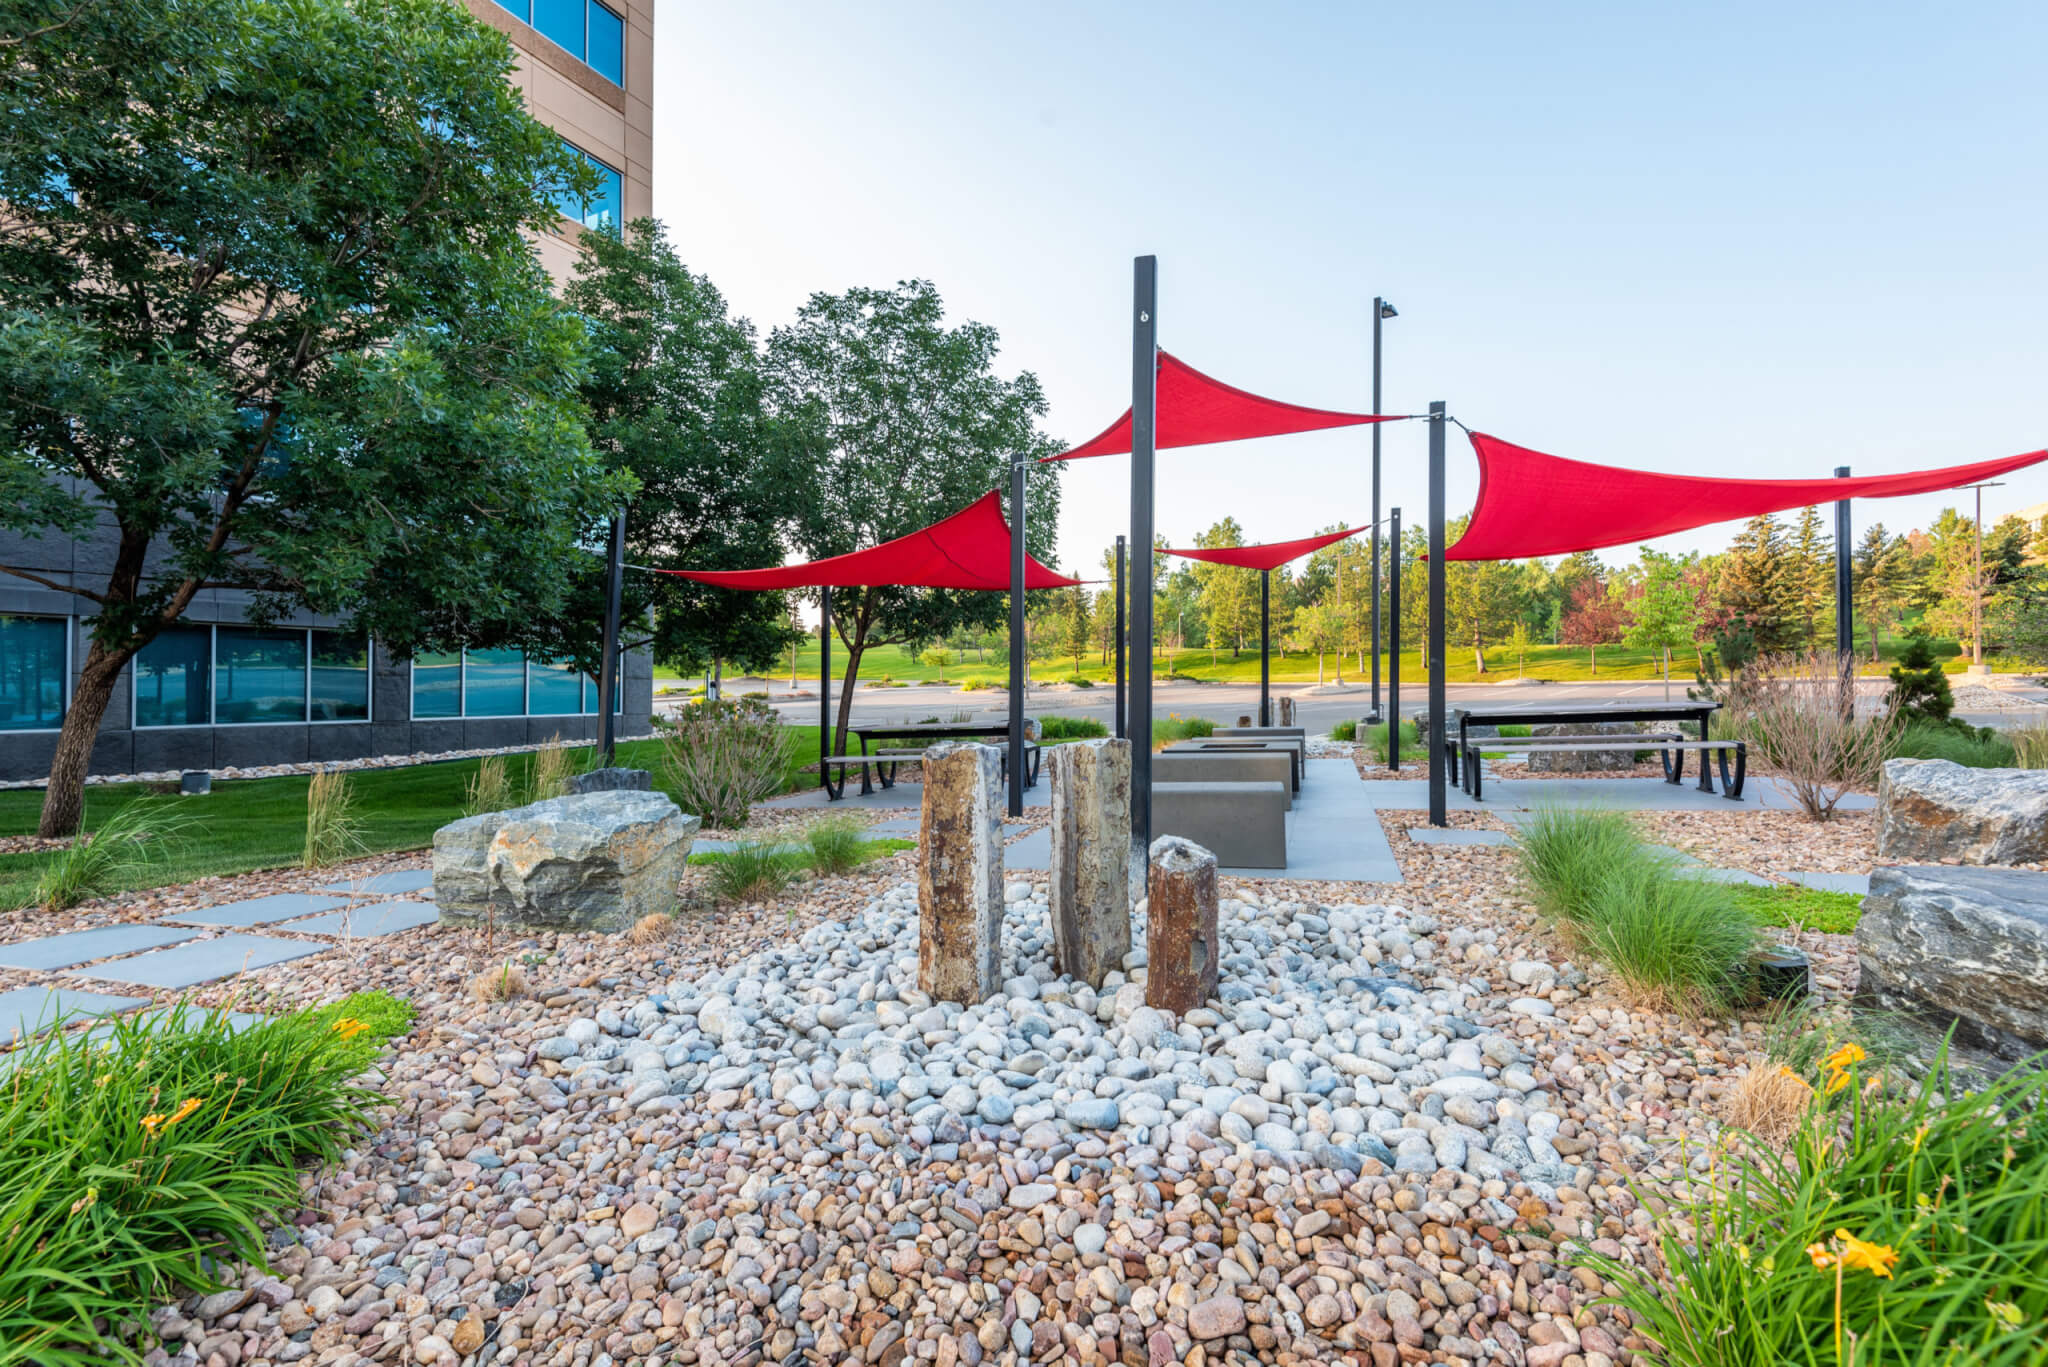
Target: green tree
column 1880, row 574
column 1482, row 598
column 1758, row 584
column 1810, row 577
column 901, row 420
column 1080, row 630
column 675, row 398
column 267, row 314
column 1518, row 641
column 1663, row 610
column 1949, row 575
column 1320, row 629
column 1919, row 687
column 2018, row 617
column 1229, row 594
column 1595, row 618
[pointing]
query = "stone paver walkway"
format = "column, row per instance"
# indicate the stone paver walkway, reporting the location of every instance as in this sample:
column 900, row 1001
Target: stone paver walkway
column 83, row 946
column 380, row 918
column 200, row 962
column 1457, row 835
column 417, row 881
column 32, row 1010
column 259, row 911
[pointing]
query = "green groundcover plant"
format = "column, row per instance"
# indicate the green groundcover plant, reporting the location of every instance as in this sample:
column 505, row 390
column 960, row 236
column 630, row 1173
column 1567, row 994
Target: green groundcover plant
column 1900, row 1225
column 139, row 1158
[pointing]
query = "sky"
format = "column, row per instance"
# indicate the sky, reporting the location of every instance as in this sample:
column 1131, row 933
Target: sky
column 1757, row 240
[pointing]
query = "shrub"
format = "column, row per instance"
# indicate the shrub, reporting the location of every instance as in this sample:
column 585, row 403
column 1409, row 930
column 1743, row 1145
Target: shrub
column 1564, row 853
column 721, row 758
column 1375, row 740
column 118, row 852
column 836, row 845
column 973, row 685
column 1071, row 728
column 333, row 832
column 751, row 871
column 1974, row 747
column 1900, row 1226
column 1081, row 681
column 490, row 788
column 1801, row 721
column 1345, row 730
column 140, row 1159
column 1919, row 688
column 1176, row 728
column 1676, row 943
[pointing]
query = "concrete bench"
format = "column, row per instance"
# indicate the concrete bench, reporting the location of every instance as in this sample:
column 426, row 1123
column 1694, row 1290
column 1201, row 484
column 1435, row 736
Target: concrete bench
column 1671, row 751
column 1261, row 766
column 1243, row 824
column 1295, row 750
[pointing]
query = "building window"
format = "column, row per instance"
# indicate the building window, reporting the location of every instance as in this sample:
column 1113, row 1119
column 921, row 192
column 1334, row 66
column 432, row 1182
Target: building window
column 587, row 30
column 591, row 693
column 494, row 683
column 553, row 690
column 605, row 208
column 340, row 687
column 32, row 682
column 174, row 678
column 259, row 676
column 437, row 685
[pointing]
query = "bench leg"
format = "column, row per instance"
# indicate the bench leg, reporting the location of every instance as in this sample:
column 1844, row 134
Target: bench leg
column 887, row 774
column 833, row 791
column 1450, row 757
column 1706, row 774
column 1733, row 789
column 1674, row 765
column 1474, row 766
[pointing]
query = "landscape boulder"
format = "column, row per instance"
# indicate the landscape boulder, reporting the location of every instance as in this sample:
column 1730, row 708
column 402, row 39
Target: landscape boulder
column 1967, row 945
column 1937, row 811
column 1582, row 761
column 610, row 780
column 589, row 861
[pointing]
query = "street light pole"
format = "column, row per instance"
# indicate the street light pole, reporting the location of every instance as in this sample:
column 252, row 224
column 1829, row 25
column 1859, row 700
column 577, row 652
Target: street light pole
column 1381, row 310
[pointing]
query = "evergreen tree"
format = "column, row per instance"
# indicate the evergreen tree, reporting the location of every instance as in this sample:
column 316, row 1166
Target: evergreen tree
column 1080, row 630
column 1757, row 584
column 1919, row 688
column 1810, row 576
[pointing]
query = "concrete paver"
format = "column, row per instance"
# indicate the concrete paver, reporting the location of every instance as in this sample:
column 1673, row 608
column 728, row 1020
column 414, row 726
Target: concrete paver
column 386, row 884
column 83, row 946
column 32, row 1010
column 202, row 961
column 258, row 911
column 381, row 918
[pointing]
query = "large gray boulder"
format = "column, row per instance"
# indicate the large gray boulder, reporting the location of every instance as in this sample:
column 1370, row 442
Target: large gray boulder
column 1582, row 761
column 1968, row 945
column 590, row 861
column 1936, row 811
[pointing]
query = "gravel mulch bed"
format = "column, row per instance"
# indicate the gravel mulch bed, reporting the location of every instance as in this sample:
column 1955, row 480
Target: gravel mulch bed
column 1772, row 843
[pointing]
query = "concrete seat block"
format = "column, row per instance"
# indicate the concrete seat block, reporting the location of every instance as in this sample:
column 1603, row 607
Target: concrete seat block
column 1243, row 823
column 1259, row 766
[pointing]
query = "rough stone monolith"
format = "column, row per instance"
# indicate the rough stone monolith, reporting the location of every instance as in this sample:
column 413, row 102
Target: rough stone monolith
column 1091, row 857
column 960, row 874
column 1180, row 940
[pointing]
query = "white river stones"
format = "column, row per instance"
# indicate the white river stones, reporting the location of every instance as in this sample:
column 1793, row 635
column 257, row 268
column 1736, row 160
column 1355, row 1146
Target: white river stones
column 1336, row 1036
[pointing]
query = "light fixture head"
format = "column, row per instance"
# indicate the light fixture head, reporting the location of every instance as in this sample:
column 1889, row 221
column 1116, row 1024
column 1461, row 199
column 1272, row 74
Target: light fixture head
column 1388, row 310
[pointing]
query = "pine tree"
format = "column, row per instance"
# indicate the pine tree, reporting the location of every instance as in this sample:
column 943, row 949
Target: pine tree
column 1810, row 575
column 1757, row 583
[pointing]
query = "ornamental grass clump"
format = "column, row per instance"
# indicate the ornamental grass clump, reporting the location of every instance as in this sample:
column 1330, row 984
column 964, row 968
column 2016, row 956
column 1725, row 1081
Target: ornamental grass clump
column 1565, row 853
column 333, row 831
column 548, row 771
column 836, row 845
column 1676, row 943
column 140, row 1160
column 720, row 758
column 489, row 788
column 752, row 870
column 1898, row 1225
column 118, row 853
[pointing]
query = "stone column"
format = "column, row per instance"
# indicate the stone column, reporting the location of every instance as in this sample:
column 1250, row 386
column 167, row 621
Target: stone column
column 1285, row 712
column 960, row 874
column 1091, row 857
column 1180, row 941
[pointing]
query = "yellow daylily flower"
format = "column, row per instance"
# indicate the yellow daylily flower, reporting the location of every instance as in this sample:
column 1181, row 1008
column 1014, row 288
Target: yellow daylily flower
column 1876, row 1259
column 349, row 1027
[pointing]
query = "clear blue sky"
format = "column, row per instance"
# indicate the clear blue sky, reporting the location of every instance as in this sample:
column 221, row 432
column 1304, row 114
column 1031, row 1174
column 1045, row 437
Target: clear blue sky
column 1743, row 239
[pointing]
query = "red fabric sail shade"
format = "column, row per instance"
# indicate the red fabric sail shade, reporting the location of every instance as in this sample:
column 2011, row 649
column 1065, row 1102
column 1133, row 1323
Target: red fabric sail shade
column 1534, row 504
column 1195, row 410
column 969, row 550
column 1270, row 556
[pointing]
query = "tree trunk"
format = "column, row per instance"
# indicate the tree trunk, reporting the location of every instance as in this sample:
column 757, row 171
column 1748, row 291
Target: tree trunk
column 1478, row 655
column 1667, row 673
column 1319, row 669
column 64, row 799
column 1594, row 652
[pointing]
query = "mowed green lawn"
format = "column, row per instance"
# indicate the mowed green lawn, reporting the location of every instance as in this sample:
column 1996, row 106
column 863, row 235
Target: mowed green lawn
column 892, row 664
column 260, row 823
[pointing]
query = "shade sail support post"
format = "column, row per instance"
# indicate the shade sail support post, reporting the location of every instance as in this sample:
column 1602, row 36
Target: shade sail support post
column 1438, row 769
column 1265, row 647
column 1373, row 587
column 1117, row 642
column 1394, row 644
column 1144, row 436
column 1845, row 601
column 608, row 667
column 1016, row 738
column 825, row 685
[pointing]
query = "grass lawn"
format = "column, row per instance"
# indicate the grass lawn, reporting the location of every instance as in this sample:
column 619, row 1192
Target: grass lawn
column 885, row 665
column 260, row 823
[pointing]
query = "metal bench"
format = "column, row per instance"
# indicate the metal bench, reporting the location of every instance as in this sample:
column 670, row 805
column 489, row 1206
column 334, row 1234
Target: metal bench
column 883, row 766
column 1243, row 824
column 1672, row 751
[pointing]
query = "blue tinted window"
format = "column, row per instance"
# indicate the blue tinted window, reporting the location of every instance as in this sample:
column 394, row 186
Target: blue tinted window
column 607, row 55
column 173, row 677
column 522, row 8
column 437, row 685
column 341, row 677
column 31, row 673
column 606, row 207
column 562, row 21
column 591, row 693
column 553, row 690
column 494, row 684
column 258, row 676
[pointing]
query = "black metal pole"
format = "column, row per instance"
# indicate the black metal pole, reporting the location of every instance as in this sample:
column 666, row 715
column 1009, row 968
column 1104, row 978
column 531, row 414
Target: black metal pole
column 1118, row 642
column 1265, row 644
column 825, row 684
column 1378, row 306
column 1845, row 603
column 1144, row 431
column 1394, row 645
column 1438, row 771
column 1017, row 636
column 608, row 667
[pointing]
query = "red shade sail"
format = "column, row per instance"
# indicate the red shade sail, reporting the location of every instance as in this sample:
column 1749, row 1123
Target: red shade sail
column 1195, row 410
column 1270, row 556
column 969, row 550
column 1534, row 504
